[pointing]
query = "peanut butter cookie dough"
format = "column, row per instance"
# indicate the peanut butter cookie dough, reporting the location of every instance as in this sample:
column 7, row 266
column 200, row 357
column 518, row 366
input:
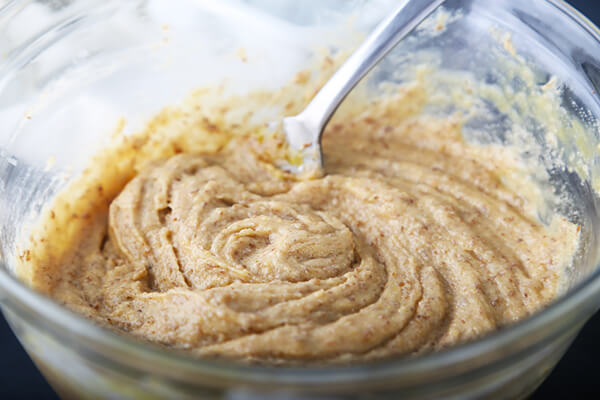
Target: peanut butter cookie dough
column 412, row 242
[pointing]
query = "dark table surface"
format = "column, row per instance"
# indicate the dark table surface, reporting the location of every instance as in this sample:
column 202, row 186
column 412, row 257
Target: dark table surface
column 575, row 376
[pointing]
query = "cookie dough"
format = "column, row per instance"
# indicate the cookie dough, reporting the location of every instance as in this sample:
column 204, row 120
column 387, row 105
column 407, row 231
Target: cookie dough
column 413, row 241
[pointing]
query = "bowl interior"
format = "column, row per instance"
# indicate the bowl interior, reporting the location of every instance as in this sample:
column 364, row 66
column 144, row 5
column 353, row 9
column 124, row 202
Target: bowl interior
column 523, row 73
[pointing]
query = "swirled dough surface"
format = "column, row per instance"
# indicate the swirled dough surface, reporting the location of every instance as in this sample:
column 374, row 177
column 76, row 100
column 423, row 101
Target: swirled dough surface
column 412, row 242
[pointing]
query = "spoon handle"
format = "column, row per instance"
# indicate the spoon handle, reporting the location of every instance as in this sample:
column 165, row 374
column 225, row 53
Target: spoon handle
column 408, row 15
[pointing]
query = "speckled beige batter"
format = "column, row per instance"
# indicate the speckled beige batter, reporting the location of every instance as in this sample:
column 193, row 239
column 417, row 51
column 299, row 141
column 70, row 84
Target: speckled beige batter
column 412, row 242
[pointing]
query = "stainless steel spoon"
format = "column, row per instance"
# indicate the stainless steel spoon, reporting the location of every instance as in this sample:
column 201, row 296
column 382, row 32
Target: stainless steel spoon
column 303, row 131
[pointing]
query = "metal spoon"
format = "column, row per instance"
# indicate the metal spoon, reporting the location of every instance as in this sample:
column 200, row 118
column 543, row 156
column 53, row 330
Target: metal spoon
column 303, row 131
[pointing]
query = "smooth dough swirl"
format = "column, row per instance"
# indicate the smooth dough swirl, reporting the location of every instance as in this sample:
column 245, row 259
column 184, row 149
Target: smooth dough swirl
column 411, row 243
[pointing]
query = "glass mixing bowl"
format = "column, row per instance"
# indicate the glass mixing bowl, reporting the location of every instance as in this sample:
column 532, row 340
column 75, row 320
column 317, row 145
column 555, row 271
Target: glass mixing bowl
column 70, row 69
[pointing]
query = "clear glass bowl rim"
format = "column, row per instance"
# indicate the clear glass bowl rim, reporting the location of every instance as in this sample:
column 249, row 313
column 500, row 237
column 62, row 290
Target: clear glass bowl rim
column 571, row 310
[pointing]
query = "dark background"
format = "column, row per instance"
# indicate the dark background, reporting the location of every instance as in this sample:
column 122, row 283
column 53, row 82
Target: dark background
column 576, row 376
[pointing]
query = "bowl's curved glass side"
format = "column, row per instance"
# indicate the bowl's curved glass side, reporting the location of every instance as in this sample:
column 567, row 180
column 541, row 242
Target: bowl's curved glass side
column 519, row 72
column 42, row 140
column 556, row 44
column 92, row 375
column 68, row 96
